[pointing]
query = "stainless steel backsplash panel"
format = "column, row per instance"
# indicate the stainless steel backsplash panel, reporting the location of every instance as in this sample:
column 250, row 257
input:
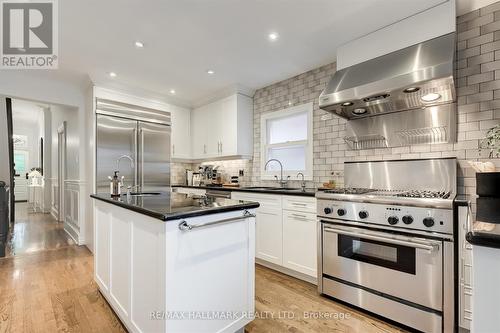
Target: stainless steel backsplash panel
column 426, row 174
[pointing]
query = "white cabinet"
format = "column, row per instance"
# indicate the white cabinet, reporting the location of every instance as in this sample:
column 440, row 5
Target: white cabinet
column 268, row 226
column 300, row 235
column 223, row 128
column 465, row 270
column 286, row 233
column 203, row 142
column 181, row 132
column 147, row 268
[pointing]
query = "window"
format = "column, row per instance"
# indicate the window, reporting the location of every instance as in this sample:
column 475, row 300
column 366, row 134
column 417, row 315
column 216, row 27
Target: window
column 286, row 135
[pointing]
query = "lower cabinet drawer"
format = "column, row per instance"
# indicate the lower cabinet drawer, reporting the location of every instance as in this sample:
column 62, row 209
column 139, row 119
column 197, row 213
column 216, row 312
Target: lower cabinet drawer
column 302, row 204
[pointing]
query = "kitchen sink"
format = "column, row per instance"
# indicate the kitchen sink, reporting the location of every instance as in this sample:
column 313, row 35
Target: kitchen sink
column 288, row 189
column 144, row 194
column 263, row 188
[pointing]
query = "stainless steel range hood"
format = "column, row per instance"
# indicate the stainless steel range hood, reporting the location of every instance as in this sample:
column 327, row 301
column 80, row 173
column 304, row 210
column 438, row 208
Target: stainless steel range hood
column 417, row 76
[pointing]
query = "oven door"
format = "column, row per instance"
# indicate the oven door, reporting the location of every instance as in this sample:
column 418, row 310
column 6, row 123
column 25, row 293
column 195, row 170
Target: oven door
column 398, row 266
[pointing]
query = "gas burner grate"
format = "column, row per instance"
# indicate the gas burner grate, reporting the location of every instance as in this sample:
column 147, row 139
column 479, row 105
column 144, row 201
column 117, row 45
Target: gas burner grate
column 350, row 190
column 425, row 194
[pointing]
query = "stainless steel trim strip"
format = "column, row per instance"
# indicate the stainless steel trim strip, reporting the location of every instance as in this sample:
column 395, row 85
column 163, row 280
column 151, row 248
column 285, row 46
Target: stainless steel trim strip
column 184, row 226
column 424, row 321
column 417, row 243
column 389, row 200
column 425, row 234
column 135, row 112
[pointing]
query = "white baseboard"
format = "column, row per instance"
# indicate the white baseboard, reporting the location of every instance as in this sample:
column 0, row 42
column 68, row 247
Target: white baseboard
column 287, row 271
column 72, row 232
column 54, row 213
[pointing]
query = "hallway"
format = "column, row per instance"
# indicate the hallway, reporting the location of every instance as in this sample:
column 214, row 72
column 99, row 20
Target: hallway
column 35, row 232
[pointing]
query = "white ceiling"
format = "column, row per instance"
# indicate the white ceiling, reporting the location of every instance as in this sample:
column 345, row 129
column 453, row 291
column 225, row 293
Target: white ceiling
column 184, row 38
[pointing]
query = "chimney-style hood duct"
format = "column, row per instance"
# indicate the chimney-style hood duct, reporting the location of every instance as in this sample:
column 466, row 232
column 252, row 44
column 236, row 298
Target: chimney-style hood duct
column 414, row 77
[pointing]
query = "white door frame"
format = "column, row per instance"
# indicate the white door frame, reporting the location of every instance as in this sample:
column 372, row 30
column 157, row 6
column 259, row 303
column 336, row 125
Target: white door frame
column 61, row 168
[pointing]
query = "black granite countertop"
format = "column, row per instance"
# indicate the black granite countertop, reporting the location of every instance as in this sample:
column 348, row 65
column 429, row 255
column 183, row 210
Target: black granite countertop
column 462, row 200
column 173, row 206
column 483, row 233
column 309, row 192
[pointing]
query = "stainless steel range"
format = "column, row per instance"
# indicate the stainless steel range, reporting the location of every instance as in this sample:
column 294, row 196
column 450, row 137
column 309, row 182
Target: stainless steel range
column 386, row 241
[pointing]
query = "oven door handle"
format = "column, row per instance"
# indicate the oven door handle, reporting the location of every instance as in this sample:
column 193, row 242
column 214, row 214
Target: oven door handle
column 405, row 241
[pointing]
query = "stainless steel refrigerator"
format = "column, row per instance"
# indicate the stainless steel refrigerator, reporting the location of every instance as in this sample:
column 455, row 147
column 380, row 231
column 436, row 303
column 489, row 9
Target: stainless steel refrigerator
column 137, row 137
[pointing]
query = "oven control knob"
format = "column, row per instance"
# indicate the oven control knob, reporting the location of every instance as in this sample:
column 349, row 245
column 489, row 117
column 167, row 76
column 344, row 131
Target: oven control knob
column 393, row 220
column 363, row 214
column 341, row 212
column 428, row 222
column 327, row 210
column 407, row 219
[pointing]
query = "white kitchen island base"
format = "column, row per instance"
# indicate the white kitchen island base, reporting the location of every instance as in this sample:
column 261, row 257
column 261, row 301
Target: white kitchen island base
column 159, row 278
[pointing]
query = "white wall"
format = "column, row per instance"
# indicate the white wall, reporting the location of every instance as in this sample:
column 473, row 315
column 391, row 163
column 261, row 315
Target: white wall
column 59, row 114
column 434, row 22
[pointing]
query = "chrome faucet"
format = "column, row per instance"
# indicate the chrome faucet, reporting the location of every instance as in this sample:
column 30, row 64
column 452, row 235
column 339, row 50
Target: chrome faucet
column 303, row 184
column 120, row 158
column 118, row 164
column 283, row 182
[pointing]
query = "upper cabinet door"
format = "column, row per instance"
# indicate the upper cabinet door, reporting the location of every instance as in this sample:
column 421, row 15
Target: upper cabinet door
column 223, row 128
column 227, row 114
column 200, row 124
column 181, row 132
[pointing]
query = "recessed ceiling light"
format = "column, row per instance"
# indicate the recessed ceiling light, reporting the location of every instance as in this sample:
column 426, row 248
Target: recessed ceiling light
column 431, row 97
column 273, row 36
column 112, row 74
column 210, row 71
column 172, row 91
column 139, row 44
column 359, row 111
column 411, row 89
column 347, row 103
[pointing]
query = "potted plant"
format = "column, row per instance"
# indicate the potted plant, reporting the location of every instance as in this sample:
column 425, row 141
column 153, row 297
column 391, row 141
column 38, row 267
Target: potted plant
column 488, row 183
column 492, row 142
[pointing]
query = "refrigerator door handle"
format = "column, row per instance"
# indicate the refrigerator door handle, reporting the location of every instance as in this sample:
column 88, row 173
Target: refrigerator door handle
column 136, row 158
column 140, row 153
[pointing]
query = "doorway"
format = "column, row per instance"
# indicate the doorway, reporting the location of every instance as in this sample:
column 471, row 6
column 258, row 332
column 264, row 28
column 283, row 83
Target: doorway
column 38, row 165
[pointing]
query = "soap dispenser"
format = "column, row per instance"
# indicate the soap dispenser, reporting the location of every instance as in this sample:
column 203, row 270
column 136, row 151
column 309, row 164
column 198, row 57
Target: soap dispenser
column 114, row 186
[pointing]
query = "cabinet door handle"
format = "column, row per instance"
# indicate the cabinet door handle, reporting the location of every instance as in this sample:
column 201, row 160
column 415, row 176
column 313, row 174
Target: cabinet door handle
column 221, row 147
column 173, row 149
column 204, row 149
column 185, row 226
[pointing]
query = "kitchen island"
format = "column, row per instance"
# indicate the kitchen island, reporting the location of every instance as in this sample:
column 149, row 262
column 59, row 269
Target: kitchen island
column 172, row 263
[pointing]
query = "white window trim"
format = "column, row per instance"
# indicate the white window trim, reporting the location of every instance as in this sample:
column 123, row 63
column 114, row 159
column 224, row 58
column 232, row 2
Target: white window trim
column 308, row 173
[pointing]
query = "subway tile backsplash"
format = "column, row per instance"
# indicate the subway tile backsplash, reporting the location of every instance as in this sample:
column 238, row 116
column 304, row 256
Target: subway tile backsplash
column 478, row 99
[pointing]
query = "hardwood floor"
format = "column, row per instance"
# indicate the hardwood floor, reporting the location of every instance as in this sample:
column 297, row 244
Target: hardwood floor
column 35, row 232
column 54, row 291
